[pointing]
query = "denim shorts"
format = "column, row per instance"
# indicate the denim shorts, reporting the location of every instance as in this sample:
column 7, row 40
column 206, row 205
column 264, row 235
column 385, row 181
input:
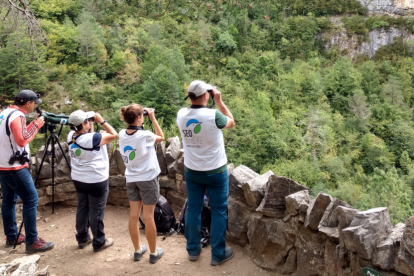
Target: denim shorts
column 147, row 191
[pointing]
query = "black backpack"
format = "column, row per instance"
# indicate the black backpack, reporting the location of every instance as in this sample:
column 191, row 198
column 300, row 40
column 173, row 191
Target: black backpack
column 164, row 216
column 205, row 222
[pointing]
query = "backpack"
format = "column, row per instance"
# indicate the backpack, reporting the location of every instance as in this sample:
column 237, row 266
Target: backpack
column 164, row 216
column 205, row 222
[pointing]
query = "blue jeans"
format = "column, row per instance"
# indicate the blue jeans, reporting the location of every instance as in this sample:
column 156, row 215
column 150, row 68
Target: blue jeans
column 217, row 186
column 15, row 184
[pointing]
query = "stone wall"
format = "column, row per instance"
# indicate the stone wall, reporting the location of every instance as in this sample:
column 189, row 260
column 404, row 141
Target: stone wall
column 276, row 219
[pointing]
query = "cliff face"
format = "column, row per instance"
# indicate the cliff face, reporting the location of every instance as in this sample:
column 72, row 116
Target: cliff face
column 398, row 7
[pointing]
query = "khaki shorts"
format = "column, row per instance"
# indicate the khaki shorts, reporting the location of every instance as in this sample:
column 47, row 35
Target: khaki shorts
column 147, row 191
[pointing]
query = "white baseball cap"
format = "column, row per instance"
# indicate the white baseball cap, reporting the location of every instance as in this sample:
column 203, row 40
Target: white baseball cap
column 198, row 87
column 90, row 114
column 77, row 117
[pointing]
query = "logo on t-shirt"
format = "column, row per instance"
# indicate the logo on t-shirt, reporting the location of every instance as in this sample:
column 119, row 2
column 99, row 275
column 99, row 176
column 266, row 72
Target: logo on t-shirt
column 193, row 126
column 1, row 119
column 129, row 154
column 75, row 153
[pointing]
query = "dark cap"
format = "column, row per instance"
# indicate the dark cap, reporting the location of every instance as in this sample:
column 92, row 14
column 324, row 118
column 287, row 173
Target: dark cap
column 28, row 95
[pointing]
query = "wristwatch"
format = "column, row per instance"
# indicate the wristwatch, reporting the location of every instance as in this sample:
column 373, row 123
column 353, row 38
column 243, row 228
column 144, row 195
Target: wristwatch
column 103, row 122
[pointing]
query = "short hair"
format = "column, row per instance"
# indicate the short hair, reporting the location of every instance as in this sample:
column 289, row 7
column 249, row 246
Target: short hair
column 79, row 127
column 131, row 112
column 193, row 97
column 19, row 101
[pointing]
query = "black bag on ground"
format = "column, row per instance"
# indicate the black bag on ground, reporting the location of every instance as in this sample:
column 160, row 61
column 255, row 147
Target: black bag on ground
column 205, row 222
column 164, row 216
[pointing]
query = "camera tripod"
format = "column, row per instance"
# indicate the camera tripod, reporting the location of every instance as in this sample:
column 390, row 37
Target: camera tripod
column 51, row 140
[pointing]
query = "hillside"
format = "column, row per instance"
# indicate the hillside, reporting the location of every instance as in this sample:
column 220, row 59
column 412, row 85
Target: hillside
column 309, row 102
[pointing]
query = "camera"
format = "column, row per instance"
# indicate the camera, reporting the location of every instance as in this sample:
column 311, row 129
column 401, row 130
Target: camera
column 21, row 157
column 146, row 113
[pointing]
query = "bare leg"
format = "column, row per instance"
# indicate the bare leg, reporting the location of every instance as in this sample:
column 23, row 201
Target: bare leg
column 150, row 229
column 134, row 222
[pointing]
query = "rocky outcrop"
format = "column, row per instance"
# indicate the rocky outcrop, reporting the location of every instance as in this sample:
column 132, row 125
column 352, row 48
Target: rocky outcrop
column 316, row 210
column 392, row 7
column 237, row 178
column 23, row 266
column 254, row 189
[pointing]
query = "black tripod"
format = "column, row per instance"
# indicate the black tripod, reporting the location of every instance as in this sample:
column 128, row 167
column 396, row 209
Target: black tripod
column 51, row 140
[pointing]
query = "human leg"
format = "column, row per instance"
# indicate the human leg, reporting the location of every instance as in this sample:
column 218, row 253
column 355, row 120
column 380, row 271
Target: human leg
column 150, row 228
column 82, row 215
column 8, row 207
column 218, row 192
column 134, row 214
column 195, row 200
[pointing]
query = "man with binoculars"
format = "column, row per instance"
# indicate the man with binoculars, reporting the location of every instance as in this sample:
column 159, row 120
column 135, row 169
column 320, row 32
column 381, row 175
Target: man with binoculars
column 15, row 178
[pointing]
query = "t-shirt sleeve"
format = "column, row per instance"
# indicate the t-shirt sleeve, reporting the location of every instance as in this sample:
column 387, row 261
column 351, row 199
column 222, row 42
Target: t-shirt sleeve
column 221, row 120
column 97, row 138
column 151, row 137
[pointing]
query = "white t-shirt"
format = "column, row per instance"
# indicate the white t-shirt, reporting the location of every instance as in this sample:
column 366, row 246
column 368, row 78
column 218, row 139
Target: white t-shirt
column 88, row 166
column 139, row 156
column 203, row 141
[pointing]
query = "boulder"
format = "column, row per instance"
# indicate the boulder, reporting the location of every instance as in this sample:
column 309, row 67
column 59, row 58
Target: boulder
column 181, row 187
column 33, row 166
column 238, row 217
column 404, row 262
column 386, row 250
column 162, row 161
column 61, row 188
column 316, row 210
column 119, row 160
column 172, row 169
column 173, row 150
column 180, row 165
column 26, row 265
column 117, row 181
column 230, row 168
column 345, row 217
column 278, row 187
column 270, row 240
column 174, row 198
column 290, row 265
column 63, row 168
column 329, row 222
column 45, row 171
column 254, row 189
column 239, row 176
column 303, row 209
column 294, row 201
column 166, row 182
column 365, row 231
column 58, row 180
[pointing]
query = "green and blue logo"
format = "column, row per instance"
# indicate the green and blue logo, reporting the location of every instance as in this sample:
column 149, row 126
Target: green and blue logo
column 78, row 151
column 194, row 123
column 1, row 119
column 129, row 152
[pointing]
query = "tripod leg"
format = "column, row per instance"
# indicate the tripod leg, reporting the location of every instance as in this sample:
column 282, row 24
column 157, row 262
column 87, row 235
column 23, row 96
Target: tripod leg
column 43, row 159
column 20, row 230
column 53, row 140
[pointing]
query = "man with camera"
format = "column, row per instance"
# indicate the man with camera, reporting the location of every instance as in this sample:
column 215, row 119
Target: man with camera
column 15, row 178
column 205, row 168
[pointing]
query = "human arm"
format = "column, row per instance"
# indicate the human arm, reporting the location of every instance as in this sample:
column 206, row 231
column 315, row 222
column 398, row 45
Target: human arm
column 24, row 134
column 110, row 134
column 223, row 109
column 158, row 130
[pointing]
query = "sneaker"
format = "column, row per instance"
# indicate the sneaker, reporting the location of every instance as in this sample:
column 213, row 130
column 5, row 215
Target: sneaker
column 137, row 255
column 154, row 258
column 39, row 245
column 194, row 258
column 108, row 242
column 84, row 244
column 20, row 240
column 229, row 255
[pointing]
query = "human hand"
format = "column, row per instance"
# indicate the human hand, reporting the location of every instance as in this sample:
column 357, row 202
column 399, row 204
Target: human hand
column 151, row 112
column 98, row 118
column 40, row 120
column 216, row 94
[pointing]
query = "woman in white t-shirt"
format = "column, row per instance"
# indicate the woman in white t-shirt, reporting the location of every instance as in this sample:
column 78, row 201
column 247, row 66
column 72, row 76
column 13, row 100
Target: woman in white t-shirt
column 137, row 148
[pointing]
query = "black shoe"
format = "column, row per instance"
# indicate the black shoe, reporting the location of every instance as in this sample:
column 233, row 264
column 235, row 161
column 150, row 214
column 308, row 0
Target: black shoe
column 39, row 245
column 229, row 255
column 20, row 240
column 137, row 255
column 153, row 259
column 108, row 242
column 84, row 244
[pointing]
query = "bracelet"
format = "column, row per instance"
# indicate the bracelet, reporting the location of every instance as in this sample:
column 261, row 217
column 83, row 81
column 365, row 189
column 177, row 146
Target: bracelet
column 103, row 122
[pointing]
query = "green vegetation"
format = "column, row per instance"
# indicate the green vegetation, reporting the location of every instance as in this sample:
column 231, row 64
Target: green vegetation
column 333, row 125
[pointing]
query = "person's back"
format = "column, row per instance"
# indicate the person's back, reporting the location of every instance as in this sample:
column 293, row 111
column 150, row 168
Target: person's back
column 205, row 168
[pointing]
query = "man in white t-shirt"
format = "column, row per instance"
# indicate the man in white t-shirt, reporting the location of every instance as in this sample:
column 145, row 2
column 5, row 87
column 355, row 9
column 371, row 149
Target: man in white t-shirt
column 205, row 168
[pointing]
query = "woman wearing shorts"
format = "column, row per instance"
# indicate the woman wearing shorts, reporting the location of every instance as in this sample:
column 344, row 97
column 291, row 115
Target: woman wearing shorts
column 137, row 147
column 90, row 173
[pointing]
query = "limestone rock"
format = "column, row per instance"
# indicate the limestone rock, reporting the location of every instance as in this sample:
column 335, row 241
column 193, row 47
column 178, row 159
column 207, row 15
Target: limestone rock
column 162, row 161
column 290, row 265
column 63, row 168
column 58, row 180
column 254, row 189
column 181, row 187
column 230, row 168
column 345, row 217
column 238, row 217
column 173, row 150
column 46, row 171
column 180, row 165
column 316, row 210
column 270, row 240
column 278, row 187
column 61, row 188
column 176, row 199
column 166, row 182
column 365, row 231
column 117, row 181
column 404, row 262
column 386, row 249
column 329, row 222
column 113, row 167
column 119, row 160
column 239, row 176
column 294, row 201
column 303, row 209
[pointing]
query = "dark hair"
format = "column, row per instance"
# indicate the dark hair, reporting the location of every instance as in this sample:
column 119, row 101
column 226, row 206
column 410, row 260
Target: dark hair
column 19, row 101
column 131, row 112
column 76, row 128
column 193, row 97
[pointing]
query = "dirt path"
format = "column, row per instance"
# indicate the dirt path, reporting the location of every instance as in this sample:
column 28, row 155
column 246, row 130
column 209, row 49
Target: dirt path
column 67, row 259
